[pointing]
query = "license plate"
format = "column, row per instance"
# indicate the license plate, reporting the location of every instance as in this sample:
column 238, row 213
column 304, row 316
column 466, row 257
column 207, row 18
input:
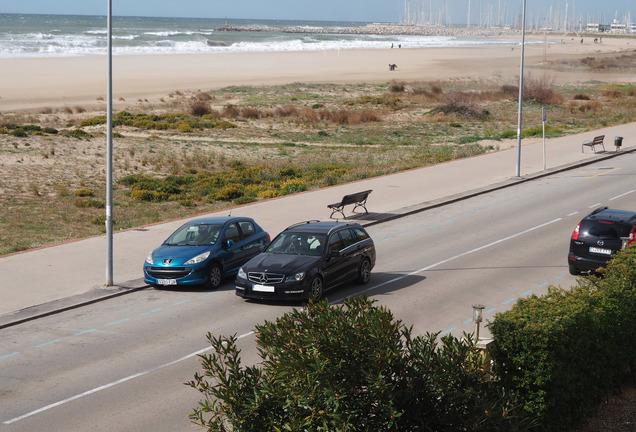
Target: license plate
column 600, row 250
column 263, row 288
column 166, row 282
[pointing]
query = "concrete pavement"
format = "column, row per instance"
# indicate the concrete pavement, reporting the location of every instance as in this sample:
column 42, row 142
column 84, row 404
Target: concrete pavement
column 50, row 279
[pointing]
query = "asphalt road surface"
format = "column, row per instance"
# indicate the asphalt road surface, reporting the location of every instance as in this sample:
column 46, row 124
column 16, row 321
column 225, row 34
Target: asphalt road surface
column 120, row 365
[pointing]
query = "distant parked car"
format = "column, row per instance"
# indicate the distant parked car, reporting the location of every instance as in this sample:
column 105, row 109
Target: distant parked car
column 204, row 251
column 598, row 236
column 307, row 259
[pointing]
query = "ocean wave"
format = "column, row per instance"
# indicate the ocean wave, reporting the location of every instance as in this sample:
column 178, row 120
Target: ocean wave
column 32, row 36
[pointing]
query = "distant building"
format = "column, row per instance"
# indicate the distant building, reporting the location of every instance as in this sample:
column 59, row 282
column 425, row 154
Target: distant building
column 593, row 27
column 617, row 27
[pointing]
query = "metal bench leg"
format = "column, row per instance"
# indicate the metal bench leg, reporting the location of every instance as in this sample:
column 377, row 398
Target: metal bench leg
column 337, row 210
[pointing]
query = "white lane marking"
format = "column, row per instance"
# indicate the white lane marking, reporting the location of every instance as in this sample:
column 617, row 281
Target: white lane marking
column 594, row 205
column 114, row 383
column 622, row 195
column 444, row 261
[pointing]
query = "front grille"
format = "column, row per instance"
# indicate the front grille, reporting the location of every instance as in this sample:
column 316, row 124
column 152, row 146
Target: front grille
column 265, row 278
column 168, row 272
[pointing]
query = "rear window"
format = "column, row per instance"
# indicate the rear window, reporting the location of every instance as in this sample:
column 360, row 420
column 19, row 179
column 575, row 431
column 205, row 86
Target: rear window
column 604, row 230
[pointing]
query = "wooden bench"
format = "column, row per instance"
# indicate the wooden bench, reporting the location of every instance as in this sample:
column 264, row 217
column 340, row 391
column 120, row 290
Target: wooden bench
column 596, row 141
column 359, row 199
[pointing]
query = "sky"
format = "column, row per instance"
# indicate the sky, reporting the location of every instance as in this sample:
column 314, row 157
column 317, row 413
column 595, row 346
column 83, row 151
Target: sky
column 313, row 10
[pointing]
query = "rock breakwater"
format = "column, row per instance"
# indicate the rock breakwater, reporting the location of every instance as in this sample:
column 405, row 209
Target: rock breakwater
column 382, row 29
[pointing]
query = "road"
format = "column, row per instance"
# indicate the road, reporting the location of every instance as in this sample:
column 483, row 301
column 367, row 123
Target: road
column 120, row 365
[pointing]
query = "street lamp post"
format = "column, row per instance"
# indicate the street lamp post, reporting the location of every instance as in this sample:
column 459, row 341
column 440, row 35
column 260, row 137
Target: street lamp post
column 109, row 156
column 523, row 45
column 478, row 317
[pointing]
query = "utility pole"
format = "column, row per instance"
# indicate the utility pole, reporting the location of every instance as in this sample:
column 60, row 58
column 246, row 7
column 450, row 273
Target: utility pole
column 109, row 157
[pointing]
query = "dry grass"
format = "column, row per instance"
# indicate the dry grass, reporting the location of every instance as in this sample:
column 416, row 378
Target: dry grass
column 368, row 129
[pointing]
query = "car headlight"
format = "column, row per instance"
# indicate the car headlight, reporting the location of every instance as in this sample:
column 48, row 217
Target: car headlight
column 197, row 259
column 149, row 259
column 296, row 277
column 241, row 273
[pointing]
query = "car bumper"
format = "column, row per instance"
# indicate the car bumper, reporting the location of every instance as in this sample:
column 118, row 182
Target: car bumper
column 166, row 276
column 282, row 291
column 586, row 264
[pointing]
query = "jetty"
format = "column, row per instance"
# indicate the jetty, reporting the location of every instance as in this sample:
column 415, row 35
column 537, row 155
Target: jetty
column 383, row 29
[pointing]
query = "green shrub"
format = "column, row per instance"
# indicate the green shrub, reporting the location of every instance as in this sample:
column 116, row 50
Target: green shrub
column 184, row 127
column 94, row 121
column 366, row 373
column 84, row 192
column 100, row 220
column 229, row 192
column 292, row 186
column 79, row 134
column 565, row 351
column 186, row 202
column 244, row 200
column 144, row 195
column 50, row 131
column 89, row 203
column 31, row 128
column 19, row 132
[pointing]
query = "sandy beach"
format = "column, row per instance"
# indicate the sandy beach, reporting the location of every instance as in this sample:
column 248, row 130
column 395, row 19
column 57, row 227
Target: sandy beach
column 36, row 83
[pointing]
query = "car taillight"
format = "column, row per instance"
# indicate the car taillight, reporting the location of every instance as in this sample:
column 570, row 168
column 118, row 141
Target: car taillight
column 575, row 233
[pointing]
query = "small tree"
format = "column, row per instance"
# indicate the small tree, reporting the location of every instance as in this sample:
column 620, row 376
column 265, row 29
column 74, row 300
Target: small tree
column 348, row 368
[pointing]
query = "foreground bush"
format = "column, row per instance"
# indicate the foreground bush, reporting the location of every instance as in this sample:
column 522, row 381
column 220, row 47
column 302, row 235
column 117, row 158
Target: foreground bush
column 349, row 368
column 566, row 351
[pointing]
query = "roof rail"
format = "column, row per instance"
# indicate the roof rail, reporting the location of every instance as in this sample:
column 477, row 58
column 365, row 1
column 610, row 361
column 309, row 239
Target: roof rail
column 303, row 223
column 600, row 209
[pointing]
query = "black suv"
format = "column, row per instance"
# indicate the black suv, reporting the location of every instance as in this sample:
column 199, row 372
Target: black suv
column 307, row 259
column 598, row 236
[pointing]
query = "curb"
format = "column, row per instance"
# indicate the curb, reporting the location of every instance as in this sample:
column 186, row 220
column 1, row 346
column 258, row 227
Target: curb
column 105, row 293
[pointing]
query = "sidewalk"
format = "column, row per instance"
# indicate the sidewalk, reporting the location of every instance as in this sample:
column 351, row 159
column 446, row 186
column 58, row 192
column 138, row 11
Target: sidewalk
column 42, row 281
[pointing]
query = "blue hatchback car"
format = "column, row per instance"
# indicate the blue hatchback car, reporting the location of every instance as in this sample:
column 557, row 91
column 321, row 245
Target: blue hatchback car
column 204, row 251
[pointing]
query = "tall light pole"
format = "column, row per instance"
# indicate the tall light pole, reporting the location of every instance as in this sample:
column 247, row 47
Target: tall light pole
column 523, row 46
column 109, row 156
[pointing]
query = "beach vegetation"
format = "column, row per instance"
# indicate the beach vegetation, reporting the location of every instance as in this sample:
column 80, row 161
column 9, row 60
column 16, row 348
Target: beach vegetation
column 397, row 86
column 79, row 134
column 84, row 192
column 200, row 107
column 89, row 203
column 19, row 132
column 317, row 134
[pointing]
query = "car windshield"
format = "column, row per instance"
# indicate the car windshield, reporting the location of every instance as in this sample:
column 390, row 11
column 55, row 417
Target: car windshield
column 195, row 235
column 298, row 244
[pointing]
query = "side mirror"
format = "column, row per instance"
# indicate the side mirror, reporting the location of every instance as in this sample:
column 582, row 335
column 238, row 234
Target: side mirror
column 228, row 244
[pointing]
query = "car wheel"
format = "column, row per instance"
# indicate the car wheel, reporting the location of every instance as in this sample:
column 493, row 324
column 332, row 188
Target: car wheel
column 315, row 289
column 214, row 277
column 364, row 272
column 574, row 271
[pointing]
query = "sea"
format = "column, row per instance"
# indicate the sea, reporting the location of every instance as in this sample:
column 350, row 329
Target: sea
column 27, row 35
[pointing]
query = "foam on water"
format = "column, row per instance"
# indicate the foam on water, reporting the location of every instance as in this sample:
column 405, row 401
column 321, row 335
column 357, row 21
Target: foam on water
column 59, row 35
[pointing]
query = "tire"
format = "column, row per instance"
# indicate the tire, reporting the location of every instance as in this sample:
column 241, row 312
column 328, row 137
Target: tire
column 574, row 271
column 215, row 277
column 364, row 272
column 315, row 289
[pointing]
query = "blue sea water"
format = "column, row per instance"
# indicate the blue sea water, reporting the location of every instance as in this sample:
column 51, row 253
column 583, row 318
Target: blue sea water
column 80, row 35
